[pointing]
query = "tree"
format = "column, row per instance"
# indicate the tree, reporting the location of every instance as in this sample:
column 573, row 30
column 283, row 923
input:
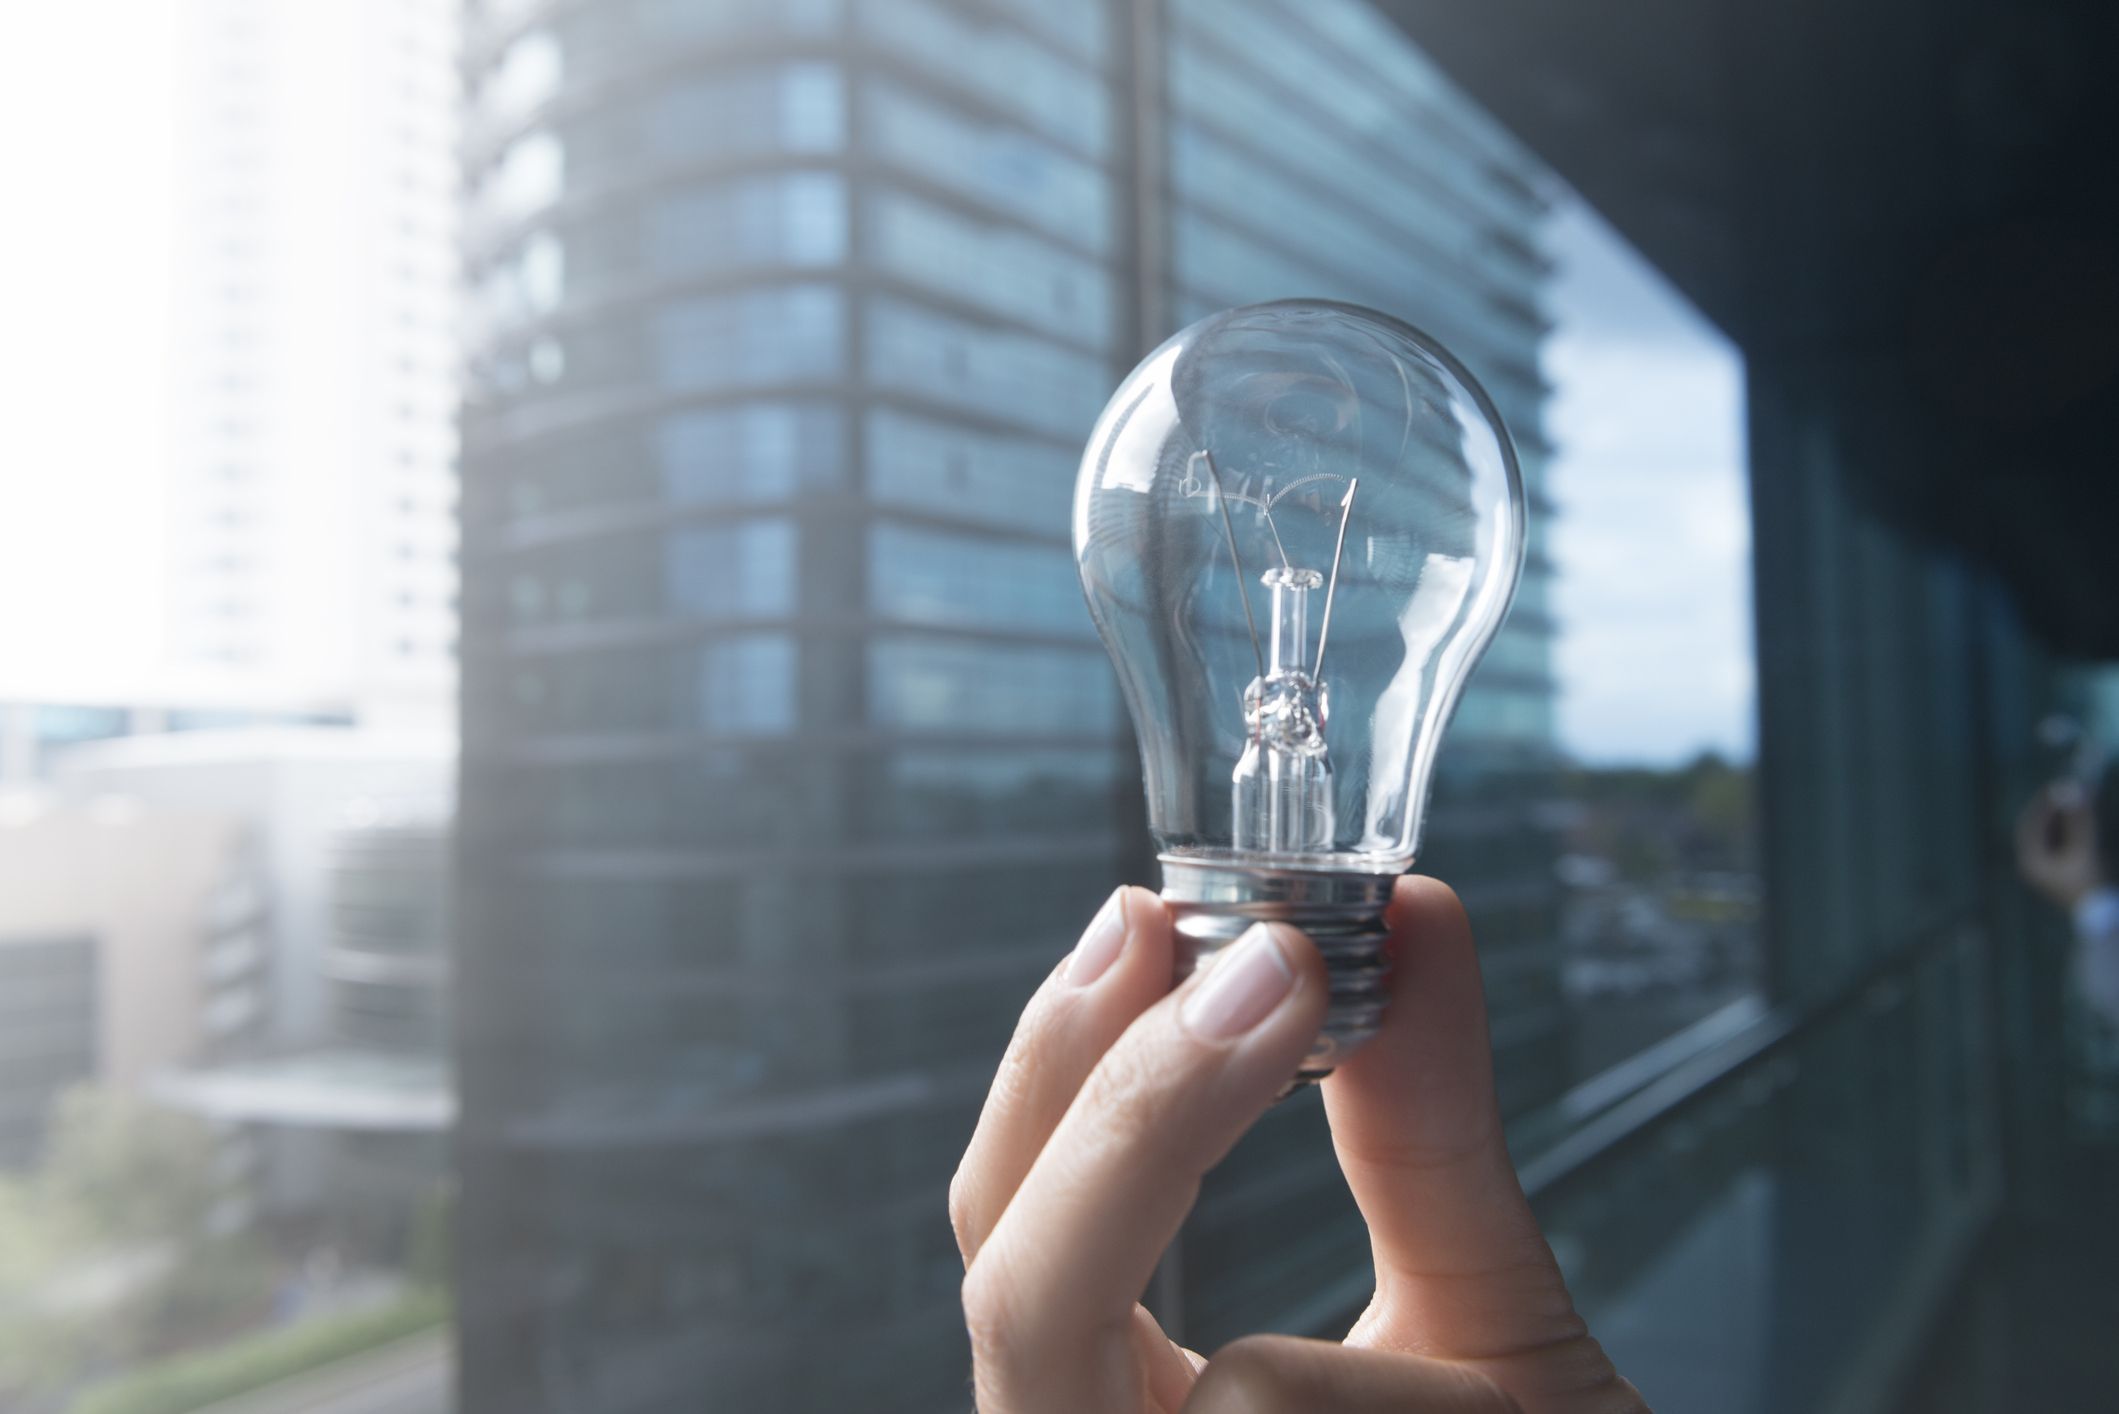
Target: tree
column 107, row 1250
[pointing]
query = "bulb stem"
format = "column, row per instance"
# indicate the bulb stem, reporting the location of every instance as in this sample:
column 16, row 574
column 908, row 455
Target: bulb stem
column 1289, row 619
column 1212, row 903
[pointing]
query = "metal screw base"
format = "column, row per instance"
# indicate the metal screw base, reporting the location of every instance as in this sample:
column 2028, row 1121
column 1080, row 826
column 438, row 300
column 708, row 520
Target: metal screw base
column 1213, row 903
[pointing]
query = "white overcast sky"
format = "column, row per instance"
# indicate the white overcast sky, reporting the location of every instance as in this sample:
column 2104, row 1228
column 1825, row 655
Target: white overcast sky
column 85, row 141
column 1653, row 539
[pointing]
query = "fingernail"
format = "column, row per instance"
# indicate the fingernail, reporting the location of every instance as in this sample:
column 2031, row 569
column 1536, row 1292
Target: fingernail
column 1240, row 989
column 1100, row 945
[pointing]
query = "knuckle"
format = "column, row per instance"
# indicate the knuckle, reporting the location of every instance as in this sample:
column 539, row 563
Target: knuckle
column 989, row 1316
column 1025, row 1062
column 1017, row 1077
column 962, row 1206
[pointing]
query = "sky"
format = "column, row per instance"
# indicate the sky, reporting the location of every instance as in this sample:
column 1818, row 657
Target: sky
column 1652, row 537
column 85, row 356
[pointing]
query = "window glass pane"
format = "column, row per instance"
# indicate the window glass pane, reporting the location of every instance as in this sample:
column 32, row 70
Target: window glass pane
column 797, row 109
column 922, row 464
column 936, row 685
column 723, row 455
column 973, row 793
column 748, row 339
column 759, row 452
column 1007, row 172
column 743, row 683
column 712, row 800
column 528, row 73
column 798, row 219
column 1084, row 30
column 998, row 63
column 790, row 110
column 528, row 176
column 746, row 685
column 935, row 577
column 983, row 371
column 998, row 268
column 744, row 569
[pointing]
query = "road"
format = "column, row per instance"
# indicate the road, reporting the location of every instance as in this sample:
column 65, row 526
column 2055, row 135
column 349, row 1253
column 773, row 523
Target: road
column 412, row 1376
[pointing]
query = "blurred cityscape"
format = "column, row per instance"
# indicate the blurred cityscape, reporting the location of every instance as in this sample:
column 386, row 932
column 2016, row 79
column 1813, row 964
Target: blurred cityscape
column 557, row 973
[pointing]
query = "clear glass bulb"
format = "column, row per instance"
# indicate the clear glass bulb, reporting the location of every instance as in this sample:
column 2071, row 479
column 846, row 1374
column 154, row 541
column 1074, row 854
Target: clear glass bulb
column 1299, row 524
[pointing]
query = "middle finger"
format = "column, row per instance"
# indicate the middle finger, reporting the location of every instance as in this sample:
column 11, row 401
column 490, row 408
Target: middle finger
column 1050, row 1298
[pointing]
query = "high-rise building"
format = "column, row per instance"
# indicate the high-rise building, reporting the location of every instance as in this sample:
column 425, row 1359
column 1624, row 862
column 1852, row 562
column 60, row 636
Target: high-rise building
column 312, row 479
column 791, row 759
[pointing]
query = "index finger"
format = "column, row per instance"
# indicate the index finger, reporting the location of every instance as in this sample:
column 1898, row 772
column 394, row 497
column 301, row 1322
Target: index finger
column 1050, row 1296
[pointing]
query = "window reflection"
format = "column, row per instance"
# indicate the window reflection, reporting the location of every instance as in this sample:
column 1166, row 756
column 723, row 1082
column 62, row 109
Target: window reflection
column 970, row 790
column 1000, row 65
column 1006, row 171
column 755, row 452
column 942, row 578
column 741, row 683
column 749, row 339
column 797, row 219
column 740, row 570
column 925, row 464
column 981, row 371
column 996, row 267
column 942, row 686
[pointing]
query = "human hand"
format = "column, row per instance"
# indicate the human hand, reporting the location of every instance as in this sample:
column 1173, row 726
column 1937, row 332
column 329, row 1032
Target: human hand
column 1118, row 1093
column 2056, row 844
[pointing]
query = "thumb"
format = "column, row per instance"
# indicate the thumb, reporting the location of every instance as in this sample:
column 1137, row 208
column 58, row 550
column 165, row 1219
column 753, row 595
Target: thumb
column 1462, row 1270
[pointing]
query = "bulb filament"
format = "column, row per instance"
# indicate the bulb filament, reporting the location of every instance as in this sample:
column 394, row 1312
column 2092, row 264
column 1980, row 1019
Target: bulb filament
column 1283, row 781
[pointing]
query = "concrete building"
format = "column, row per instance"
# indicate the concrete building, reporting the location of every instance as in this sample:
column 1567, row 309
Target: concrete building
column 358, row 1118
column 303, row 1081
column 792, row 760
column 135, row 942
column 292, row 789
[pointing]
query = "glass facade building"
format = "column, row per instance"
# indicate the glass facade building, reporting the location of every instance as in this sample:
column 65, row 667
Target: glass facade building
column 792, row 761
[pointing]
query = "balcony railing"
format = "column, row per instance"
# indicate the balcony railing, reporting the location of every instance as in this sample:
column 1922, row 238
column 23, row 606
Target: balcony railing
column 1765, row 1210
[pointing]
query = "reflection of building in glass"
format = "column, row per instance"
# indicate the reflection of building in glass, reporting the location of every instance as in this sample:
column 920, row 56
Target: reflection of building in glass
column 792, row 761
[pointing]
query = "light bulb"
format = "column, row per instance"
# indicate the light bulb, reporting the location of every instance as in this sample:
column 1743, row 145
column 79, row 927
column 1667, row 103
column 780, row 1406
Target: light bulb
column 1299, row 524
